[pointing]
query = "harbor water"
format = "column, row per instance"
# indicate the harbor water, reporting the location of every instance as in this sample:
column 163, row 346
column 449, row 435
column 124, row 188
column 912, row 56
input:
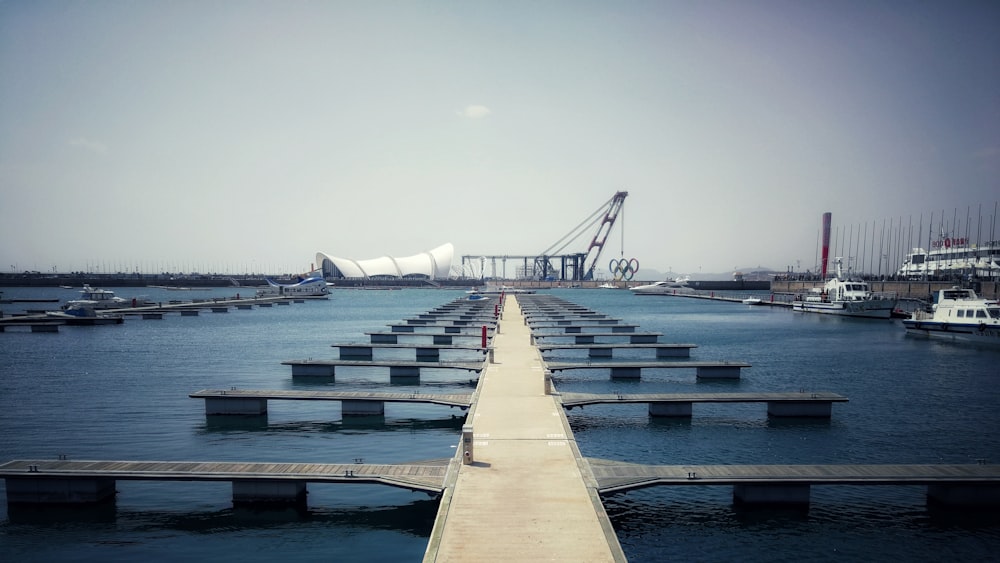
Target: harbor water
column 121, row 392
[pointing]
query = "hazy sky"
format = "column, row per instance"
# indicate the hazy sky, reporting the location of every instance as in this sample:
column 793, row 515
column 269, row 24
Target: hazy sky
column 247, row 136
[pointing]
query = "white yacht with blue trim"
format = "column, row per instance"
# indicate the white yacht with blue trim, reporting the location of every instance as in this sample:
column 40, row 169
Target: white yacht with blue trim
column 958, row 314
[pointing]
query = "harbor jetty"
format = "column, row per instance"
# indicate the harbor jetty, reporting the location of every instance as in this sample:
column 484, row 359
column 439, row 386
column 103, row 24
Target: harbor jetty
column 43, row 322
column 518, row 487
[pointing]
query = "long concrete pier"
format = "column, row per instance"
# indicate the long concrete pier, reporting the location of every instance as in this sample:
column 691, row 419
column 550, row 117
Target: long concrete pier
column 518, row 487
column 526, row 494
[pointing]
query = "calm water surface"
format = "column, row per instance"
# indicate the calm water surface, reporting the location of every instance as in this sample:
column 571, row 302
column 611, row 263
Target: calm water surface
column 121, row 392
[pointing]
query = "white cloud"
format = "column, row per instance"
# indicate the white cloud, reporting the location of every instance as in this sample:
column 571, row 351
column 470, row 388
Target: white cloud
column 89, row 144
column 475, row 112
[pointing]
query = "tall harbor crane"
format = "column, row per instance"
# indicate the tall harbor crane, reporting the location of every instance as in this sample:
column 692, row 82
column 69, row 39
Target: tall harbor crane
column 610, row 210
column 553, row 263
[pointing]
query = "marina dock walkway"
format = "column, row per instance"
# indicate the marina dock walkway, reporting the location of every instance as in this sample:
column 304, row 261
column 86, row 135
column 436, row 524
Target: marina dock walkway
column 528, row 495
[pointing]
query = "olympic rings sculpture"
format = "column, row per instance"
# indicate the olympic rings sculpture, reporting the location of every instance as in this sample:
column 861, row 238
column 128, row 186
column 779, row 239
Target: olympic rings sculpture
column 623, row 268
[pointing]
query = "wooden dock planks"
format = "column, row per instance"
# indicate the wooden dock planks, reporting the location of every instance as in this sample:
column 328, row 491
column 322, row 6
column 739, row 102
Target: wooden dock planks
column 426, row 476
column 615, row 476
column 454, row 400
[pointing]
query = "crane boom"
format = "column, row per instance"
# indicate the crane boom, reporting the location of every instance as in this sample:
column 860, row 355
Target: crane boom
column 604, row 217
column 614, row 206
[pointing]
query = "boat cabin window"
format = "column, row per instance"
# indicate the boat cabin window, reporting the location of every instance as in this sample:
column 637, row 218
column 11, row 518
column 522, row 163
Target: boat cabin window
column 994, row 312
column 981, row 314
column 961, row 313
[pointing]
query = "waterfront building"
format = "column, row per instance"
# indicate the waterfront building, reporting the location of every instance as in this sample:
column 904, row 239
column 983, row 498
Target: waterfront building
column 433, row 264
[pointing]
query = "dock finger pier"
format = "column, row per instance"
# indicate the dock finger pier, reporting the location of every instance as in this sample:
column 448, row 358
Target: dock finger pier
column 518, row 487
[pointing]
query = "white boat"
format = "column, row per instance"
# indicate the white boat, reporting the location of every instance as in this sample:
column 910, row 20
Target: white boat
column 667, row 287
column 312, row 286
column 95, row 298
column 952, row 257
column 607, row 285
column 958, row 314
column 847, row 298
column 478, row 297
column 752, row 301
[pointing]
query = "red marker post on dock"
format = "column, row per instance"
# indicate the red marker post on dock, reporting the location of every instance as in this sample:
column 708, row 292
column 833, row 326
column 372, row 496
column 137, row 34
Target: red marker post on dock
column 484, row 336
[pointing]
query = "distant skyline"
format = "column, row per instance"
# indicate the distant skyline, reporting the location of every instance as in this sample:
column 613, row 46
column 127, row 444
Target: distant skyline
column 247, row 136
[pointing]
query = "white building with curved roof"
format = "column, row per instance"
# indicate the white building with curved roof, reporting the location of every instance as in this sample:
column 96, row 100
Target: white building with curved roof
column 433, row 264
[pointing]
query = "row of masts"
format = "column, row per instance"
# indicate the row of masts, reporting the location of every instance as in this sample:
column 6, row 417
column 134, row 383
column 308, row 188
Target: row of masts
column 878, row 249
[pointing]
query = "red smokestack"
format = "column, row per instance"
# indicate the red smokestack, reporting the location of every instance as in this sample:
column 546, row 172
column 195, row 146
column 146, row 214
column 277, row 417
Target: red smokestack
column 826, row 242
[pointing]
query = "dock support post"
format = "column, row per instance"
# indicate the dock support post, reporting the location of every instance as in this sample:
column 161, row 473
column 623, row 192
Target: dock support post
column 665, row 352
column 352, row 407
column 817, row 409
column 356, row 353
column 264, row 491
column 235, row 405
column 59, row 491
column 428, row 354
column 626, row 373
column 403, row 371
column 963, row 494
column 771, row 493
column 313, row 370
column 600, row 352
column 718, row 372
column 672, row 409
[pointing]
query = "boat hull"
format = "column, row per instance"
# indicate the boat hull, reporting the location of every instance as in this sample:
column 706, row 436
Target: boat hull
column 981, row 333
column 673, row 291
column 872, row 309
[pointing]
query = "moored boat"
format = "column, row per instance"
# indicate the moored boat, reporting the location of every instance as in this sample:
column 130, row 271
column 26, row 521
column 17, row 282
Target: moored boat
column 845, row 297
column 95, row 298
column 677, row 286
column 958, row 314
column 951, row 257
column 84, row 312
column 313, row 286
